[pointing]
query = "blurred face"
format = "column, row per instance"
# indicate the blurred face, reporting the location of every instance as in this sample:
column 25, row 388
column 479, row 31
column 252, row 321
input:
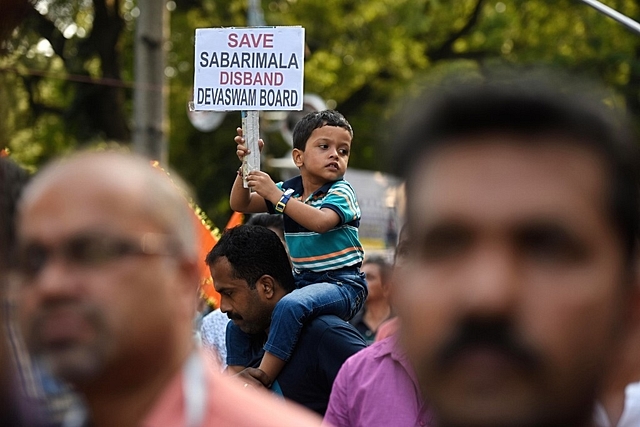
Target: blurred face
column 326, row 155
column 99, row 285
column 513, row 283
column 246, row 307
column 374, row 281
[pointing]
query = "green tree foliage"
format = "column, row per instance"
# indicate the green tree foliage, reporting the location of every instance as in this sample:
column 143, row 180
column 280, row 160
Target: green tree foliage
column 363, row 56
column 63, row 76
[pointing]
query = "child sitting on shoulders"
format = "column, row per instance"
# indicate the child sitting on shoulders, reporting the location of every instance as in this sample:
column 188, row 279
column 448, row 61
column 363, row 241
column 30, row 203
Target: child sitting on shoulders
column 321, row 219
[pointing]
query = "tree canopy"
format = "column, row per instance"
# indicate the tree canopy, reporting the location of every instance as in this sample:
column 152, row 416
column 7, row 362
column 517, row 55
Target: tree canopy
column 66, row 74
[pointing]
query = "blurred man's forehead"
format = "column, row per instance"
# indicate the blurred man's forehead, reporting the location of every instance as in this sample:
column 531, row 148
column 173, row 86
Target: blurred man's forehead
column 104, row 170
column 63, row 207
column 503, row 176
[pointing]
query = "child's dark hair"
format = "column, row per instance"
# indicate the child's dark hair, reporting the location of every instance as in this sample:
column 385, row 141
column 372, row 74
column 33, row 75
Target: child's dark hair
column 314, row 120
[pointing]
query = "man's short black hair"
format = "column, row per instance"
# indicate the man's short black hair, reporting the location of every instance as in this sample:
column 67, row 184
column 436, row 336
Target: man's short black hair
column 314, row 120
column 253, row 251
column 535, row 104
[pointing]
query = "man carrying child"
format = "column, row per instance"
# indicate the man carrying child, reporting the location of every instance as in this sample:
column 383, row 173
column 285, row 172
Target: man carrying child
column 321, row 216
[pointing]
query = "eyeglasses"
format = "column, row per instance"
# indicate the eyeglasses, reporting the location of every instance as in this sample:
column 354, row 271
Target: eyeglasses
column 92, row 250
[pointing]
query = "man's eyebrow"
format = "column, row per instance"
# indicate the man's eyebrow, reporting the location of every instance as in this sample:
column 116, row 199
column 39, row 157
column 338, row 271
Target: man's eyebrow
column 544, row 224
column 219, row 287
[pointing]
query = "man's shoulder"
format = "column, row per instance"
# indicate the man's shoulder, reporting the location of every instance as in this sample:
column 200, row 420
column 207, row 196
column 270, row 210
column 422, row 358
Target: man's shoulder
column 325, row 343
column 329, row 328
column 379, row 349
column 372, row 355
column 329, row 321
column 341, row 184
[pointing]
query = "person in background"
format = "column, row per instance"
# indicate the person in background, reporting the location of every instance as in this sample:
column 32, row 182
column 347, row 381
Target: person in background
column 251, row 271
column 390, row 326
column 202, row 310
column 213, row 332
column 108, row 275
column 377, row 387
column 376, row 308
column 521, row 279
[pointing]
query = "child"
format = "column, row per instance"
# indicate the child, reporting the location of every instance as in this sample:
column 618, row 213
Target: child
column 321, row 216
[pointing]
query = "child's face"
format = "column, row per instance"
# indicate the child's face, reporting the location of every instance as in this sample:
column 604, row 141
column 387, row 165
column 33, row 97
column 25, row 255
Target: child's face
column 326, row 155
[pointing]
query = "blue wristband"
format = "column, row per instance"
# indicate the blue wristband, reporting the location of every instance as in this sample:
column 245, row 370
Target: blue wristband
column 282, row 203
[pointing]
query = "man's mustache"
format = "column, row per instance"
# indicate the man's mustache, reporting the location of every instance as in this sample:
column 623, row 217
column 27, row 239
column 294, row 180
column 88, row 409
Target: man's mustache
column 493, row 334
column 233, row 316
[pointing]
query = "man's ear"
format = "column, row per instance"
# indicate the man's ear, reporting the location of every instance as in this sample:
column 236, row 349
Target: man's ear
column 298, row 157
column 266, row 285
column 188, row 278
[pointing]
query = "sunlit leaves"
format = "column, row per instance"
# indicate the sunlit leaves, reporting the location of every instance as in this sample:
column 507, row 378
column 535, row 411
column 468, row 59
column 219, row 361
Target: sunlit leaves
column 364, row 56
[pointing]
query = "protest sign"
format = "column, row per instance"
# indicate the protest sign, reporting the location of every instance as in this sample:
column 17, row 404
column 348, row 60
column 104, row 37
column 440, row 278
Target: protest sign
column 257, row 68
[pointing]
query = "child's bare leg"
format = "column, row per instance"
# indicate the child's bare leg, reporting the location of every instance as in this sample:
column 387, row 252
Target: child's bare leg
column 271, row 366
column 234, row 369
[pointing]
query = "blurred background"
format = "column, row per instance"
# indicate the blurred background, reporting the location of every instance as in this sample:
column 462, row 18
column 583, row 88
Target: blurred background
column 68, row 76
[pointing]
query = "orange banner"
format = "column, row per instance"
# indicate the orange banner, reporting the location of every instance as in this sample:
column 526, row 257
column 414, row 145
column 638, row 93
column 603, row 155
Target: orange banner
column 207, row 240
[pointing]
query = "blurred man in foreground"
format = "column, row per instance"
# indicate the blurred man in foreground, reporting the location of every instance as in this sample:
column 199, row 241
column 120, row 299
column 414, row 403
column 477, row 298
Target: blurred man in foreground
column 521, row 275
column 108, row 272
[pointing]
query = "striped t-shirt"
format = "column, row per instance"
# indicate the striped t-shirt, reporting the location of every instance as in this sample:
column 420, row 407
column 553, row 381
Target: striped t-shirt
column 337, row 248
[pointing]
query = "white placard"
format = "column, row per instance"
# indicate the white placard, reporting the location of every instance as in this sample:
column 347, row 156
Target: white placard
column 257, row 68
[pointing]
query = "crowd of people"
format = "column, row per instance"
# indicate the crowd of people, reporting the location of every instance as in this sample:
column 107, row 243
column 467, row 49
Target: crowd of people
column 513, row 299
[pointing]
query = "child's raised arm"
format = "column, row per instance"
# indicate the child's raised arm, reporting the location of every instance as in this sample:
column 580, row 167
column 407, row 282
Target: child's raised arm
column 318, row 220
column 242, row 199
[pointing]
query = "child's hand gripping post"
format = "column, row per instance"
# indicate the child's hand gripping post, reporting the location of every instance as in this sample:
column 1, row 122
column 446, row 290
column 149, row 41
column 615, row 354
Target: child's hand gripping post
column 251, row 133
